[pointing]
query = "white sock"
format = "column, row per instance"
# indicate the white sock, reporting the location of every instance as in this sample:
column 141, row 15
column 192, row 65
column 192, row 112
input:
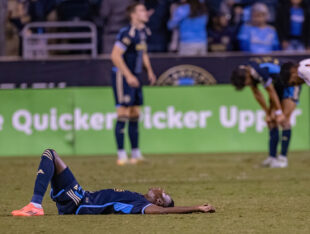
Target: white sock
column 37, row 205
column 122, row 155
column 136, row 153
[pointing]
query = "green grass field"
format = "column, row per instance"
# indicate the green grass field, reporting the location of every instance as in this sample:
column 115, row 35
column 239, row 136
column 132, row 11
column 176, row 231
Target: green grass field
column 249, row 199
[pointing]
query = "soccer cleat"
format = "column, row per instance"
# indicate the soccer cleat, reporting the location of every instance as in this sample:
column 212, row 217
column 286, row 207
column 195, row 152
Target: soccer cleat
column 268, row 161
column 29, row 210
column 122, row 162
column 281, row 162
column 137, row 160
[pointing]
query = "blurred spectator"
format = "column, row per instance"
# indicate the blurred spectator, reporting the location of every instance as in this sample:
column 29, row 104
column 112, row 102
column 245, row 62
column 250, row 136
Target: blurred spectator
column 258, row 36
column 293, row 25
column 220, row 34
column 3, row 17
column 191, row 19
column 113, row 13
column 69, row 10
column 233, row 10
column 19, row 16
column 159, row 15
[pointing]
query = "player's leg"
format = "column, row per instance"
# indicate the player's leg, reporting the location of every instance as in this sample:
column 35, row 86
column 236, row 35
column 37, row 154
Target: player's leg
column 133, row 131
column 121, row 90
column 50, row 165
column 273, row 143
column 134, row 114
column 289, row 99
column 273, row 138
column 288, row 106
column 122, row 118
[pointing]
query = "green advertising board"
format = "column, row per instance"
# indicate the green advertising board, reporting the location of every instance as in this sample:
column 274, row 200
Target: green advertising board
column 80, row 121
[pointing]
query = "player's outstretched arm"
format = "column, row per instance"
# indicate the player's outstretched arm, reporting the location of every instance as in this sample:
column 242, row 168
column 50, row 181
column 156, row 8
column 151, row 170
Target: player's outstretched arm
column 153, row 209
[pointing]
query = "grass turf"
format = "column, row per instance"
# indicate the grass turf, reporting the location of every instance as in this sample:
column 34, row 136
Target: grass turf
column 249, row 199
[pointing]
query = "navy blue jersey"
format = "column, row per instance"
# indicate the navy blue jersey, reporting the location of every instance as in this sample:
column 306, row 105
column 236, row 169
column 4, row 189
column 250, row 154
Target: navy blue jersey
column 133, row 42
column 113, row 201
column 70, row 198
column 265, row 70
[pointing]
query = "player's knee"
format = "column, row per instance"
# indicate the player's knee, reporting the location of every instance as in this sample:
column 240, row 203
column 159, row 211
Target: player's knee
column 122, row 111
column 134, row 118
column 286, row 124
column 122, row 118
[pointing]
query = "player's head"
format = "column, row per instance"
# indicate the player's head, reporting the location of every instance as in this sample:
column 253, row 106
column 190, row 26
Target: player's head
column 241, row 77
column 137, row 13
column 158, row 197
column 289, row 74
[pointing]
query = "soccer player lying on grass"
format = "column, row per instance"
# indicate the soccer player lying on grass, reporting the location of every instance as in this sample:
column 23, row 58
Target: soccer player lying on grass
column 282, row 100
column 70, row 198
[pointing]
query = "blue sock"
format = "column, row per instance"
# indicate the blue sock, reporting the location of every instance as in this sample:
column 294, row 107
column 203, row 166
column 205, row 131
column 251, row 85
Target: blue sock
column 273, row 141
column 286, row 137
column 133, row 130
column 44, row 176
column 119, row 132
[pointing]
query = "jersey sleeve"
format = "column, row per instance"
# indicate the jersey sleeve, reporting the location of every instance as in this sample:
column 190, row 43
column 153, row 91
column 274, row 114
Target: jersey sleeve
column 123, row 39
column 260, row 75
column 139, row 206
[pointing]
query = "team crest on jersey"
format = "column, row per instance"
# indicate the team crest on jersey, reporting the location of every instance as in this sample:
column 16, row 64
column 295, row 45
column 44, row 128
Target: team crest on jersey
column 126, row 41
column 186, row 75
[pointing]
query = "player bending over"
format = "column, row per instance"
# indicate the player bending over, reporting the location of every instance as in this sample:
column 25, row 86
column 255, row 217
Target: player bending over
column 282, row 102
column 70, row 198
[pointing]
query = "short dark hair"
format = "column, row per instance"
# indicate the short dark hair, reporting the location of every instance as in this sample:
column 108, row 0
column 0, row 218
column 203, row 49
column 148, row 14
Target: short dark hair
column 171, row 204
column 132, row 7
column 238, row 77
column 285, row 73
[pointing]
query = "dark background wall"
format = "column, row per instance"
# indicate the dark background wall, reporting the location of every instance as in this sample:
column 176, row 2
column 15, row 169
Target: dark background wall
column 97, row 72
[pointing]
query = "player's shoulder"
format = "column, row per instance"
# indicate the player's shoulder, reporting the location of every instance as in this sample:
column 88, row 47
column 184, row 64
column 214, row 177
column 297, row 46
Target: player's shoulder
column 124, row 30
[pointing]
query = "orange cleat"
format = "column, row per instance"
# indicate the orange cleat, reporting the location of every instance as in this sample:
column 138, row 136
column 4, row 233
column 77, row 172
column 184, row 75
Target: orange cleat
column 29, row 210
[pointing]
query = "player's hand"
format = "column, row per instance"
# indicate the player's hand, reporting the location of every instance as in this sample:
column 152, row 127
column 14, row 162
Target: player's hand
column 133, row 81
column 280, row 119
column 206, row 208
column 268, row 118
column 152, row 77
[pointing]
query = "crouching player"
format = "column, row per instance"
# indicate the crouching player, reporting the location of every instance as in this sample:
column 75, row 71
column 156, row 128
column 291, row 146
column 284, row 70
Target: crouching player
column 71, row 198
column 282, row 102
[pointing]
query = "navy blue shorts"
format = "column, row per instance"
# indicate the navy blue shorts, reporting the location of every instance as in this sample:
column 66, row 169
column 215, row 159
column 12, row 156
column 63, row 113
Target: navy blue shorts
column 292, row 92
column 66, row 192
column 124, row 94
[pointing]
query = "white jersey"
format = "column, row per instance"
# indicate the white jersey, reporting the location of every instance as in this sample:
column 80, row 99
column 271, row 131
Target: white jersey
column 304, row 70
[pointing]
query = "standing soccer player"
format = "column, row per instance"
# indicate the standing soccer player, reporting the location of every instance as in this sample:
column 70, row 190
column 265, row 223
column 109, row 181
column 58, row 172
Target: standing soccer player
column 129, row 54
column 283, row 102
